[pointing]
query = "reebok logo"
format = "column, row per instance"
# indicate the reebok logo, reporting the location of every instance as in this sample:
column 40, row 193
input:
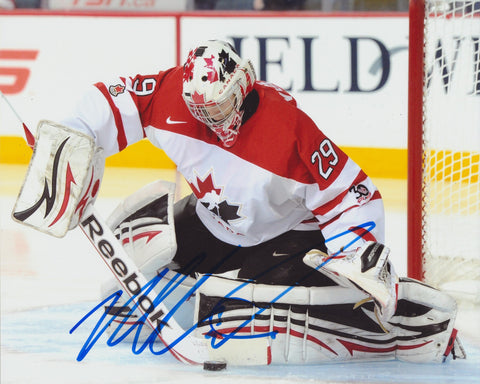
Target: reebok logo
column 94, row 230
column 170, row 121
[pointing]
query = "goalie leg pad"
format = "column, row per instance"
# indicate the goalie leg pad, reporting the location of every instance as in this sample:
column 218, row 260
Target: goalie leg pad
column 63, row 178
column 144, row 225
column 425, row 316
column 309, row 325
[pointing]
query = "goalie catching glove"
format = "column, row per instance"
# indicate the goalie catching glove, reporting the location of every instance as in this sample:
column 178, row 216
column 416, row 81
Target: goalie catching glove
column 367, row 269
column 63, row 178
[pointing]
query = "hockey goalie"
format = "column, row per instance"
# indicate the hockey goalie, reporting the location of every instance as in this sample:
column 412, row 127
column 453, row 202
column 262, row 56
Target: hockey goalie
column 279, row 249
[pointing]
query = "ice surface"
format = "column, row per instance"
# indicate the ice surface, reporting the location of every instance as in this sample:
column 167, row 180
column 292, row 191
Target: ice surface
column 48, row 285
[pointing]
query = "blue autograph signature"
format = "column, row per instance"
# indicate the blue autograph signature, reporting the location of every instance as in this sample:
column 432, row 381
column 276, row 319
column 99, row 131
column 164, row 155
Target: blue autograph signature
column 216, row 342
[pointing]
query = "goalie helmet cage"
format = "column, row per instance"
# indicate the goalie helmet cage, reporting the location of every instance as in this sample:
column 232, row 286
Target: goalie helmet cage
column 444, row 146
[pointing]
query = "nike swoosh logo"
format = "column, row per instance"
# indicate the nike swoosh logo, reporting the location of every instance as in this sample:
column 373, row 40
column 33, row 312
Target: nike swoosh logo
column 170, row 121
column 279, row 254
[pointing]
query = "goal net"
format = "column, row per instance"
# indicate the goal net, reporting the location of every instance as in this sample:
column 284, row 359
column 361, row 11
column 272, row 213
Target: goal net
column 444, row 146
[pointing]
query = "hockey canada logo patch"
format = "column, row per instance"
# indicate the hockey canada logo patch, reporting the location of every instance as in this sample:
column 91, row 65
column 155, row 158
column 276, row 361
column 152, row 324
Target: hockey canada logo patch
column 116, row 90
column 212, row 198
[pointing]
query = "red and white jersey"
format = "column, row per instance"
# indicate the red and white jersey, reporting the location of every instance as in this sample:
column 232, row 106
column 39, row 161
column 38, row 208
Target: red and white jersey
column 283, row 173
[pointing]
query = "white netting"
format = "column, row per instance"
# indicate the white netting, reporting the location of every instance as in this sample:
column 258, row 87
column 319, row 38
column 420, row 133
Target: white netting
column 452, row 147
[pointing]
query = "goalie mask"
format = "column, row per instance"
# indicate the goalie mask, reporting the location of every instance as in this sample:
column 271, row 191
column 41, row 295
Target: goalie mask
column 215, row 83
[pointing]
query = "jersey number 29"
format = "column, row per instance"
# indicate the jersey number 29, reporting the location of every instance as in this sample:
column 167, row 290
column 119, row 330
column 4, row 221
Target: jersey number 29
column 327, row 158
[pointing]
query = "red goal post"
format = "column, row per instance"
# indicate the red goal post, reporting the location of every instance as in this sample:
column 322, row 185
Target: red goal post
column 444, row 145
column 415, row 119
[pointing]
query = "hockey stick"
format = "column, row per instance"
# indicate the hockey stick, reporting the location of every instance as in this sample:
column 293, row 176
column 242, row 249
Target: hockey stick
column 28, row 135
column 182, row 344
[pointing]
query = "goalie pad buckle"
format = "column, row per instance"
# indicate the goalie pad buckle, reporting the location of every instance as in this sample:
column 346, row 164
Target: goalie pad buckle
column 63, row 178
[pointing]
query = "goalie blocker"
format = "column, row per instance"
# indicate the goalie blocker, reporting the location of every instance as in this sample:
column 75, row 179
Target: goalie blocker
column 62, row 179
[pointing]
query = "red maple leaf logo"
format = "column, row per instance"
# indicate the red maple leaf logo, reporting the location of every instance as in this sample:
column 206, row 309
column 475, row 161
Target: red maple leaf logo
column 198, row 98
column 211, row 198
column 115, row 90
column 212, row 74
column 188, row 67
column 204, row 186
